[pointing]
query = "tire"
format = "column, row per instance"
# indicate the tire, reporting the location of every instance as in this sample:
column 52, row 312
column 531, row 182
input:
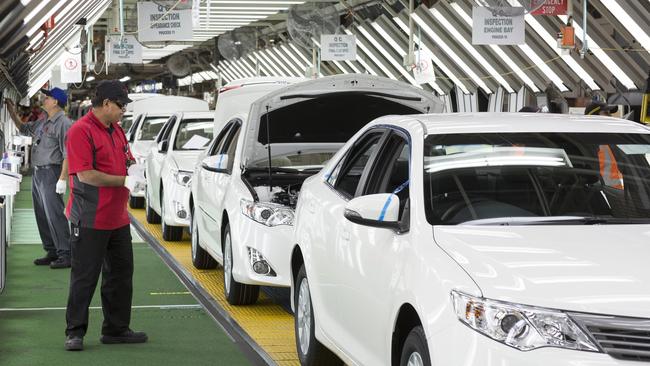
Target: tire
column 415, row 351
column 200, row 258
column 152, row 216
column 136, row 202
column 236, row 293
column 169, row 232
column 310, row 351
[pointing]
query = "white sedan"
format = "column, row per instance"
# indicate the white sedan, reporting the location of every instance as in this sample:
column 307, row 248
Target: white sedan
column 245, row 188
column 477, row 239
column 169, row 167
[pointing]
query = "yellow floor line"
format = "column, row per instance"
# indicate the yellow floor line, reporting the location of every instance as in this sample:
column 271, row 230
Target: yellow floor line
column 266, row 323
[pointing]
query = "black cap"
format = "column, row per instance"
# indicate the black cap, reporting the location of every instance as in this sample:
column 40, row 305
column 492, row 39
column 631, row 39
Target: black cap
column 594, row 108
column 112, row 90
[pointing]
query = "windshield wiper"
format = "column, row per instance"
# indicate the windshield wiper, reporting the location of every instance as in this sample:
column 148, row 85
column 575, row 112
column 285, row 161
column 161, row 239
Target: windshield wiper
column 557, row 220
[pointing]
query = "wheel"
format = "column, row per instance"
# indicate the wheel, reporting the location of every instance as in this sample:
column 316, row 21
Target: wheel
column 310, row 351
column 200, row 258
column 169, row 232
column 415, row 351
column 136, row 202
column 152, row 216
column 236, row 293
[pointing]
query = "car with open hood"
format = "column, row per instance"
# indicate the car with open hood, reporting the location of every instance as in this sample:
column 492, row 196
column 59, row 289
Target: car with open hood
column 477, row 239
column 245, row 187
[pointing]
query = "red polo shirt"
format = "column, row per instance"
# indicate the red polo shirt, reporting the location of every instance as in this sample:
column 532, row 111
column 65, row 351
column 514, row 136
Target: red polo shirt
column 91, row 145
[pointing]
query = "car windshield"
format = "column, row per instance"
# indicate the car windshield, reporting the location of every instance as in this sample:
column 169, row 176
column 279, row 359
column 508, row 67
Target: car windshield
column 193, row 134
column 127, row 121
column 151, row 126
column 537, row 178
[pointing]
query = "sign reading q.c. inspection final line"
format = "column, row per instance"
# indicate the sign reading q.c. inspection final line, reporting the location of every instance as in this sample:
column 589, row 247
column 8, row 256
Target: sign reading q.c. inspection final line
column 493, row 25
column 157, row 23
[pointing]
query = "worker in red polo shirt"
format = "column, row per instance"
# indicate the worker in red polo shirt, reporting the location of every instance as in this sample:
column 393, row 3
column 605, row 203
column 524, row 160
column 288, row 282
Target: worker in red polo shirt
column 99, row 165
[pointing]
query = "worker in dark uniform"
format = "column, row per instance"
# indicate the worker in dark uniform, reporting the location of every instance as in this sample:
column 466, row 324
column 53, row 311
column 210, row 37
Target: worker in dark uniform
column 99, row 158
column 50, row 176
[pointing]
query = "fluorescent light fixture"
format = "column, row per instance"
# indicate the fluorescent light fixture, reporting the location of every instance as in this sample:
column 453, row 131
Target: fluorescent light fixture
column 237, row 65
column 469, row 48
column 248, row 67
column 226, row 72
column 299, row 53
column 602, row 56
column 628, row 22
column 213, row 67
column 52, row 10
column 263, row 66
column 459, row 61
column 232, row 70
column 280, row 54
column 338, row 64
column 496, row 49
column 90, row 78
column 374, row 59
column 125, row 79
column 278, row 62
column 435, row 59
column 250, row 2
column 273, row 65
column 396, row 64
column 352, row 66
column 402, row 52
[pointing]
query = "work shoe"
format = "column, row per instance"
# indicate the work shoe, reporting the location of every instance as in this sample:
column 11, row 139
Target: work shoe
column 44, row 261
column 74, row 343
column 60, row 263
column 127, row 336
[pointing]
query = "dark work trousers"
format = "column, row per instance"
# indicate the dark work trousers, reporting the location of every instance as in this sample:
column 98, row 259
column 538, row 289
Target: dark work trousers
column 48, row 208
column 111, row 253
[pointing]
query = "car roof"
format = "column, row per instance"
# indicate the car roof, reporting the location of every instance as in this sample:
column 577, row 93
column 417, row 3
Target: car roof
column 453, row 123
column 207, row 115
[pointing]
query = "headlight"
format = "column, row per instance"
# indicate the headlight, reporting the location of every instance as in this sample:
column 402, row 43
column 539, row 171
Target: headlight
column 268, row 214
column 519, row 326
column 183, row 177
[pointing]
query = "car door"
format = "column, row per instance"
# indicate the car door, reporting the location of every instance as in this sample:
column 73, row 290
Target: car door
column 375, row 253
column 330, row 248
column 207, row 222
column 156, row 161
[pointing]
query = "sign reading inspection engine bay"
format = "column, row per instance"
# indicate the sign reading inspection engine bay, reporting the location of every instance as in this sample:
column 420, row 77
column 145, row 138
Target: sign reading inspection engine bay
column 157, row 23
column 495, row 26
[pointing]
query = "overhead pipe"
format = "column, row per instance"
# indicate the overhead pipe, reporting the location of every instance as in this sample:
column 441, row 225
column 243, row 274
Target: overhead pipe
column 585, row 45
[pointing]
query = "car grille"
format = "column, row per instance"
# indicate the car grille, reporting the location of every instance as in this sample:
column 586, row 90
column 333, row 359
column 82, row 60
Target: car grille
column 620, row 337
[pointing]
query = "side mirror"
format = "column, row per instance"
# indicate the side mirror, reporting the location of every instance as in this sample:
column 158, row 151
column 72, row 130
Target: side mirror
column 216, row 163
column 162, row 146
column 375, row 210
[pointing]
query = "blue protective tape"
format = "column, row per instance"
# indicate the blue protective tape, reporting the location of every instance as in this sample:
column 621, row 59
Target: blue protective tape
column 219, row 163
column 385, row 208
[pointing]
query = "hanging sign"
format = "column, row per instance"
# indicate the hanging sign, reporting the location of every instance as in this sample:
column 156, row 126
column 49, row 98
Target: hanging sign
column 552, row 7
column 158, row 23
column 71, row 66
column 338, row 47
column 495, row 25
column 129, row 51
column 423, row 71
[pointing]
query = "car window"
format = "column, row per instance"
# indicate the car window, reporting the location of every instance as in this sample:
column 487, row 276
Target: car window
column 134, row 127
column 164, row 132
column 151, row 126
column 354, row 165
column 127, row 121
column 221, row 139
column 231, row 145
column 193, row 134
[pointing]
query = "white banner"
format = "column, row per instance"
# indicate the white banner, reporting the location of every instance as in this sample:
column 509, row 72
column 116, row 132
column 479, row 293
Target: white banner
column 338, row 47
column 128, row 52
column 155, row 23
column 423, row 71
column 493, row 26
column 71, row 66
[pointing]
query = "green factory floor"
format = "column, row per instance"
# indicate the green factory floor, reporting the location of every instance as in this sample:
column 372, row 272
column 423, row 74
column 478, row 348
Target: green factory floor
column 32, row 311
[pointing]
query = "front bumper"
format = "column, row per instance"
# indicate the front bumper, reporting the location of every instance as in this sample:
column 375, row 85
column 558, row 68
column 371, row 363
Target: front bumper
column 272, row 243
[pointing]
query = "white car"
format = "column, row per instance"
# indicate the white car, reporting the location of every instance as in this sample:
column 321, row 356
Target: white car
column 477, row 239
column 245, row 188
column 169, row 168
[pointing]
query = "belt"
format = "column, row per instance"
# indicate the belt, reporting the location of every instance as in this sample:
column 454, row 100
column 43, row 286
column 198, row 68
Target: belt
column 46, row 166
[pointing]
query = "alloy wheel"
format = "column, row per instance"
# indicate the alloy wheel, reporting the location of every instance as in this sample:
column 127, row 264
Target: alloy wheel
column 415, row 359
column 227, row 263
column 304, row 316
column 195, row 238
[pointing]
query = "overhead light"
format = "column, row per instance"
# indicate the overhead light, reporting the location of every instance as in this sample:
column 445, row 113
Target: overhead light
column 374, row 59
column 273, row 65
column 268, row 2
column 603, row 57
column 248, row 67
column 125, row 79
column 307, row 62
column 90, row 78
column 496, row 49
column 237, row 66
column 276, row 50
column 278, row 62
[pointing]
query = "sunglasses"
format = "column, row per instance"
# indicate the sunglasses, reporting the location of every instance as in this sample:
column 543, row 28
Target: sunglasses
column 118, row 104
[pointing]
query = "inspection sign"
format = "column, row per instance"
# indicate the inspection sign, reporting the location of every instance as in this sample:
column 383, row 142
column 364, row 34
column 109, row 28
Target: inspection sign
column 423, row 71
column 494, row 25
column 129, row 51
column 71, row 66
column 159, row 23
column 338, row 47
